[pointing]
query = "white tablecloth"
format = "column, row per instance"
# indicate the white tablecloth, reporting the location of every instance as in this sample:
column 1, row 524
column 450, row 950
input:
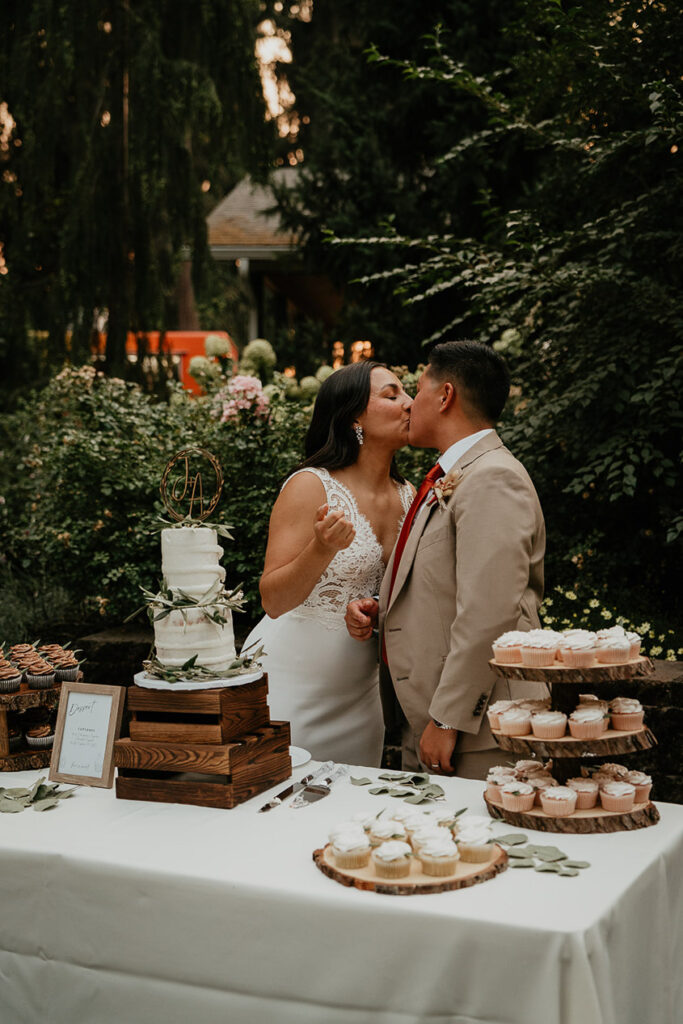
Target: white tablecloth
column 138, row 913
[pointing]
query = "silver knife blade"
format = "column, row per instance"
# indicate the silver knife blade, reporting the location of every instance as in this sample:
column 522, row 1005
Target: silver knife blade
column 315, row 791
column 283, row 794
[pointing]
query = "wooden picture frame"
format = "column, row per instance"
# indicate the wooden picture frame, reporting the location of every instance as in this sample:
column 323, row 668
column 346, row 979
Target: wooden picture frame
column 88, row 724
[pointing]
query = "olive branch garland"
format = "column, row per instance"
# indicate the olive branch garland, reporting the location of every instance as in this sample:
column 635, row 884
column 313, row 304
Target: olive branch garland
column 242, row 664
column 215, row 603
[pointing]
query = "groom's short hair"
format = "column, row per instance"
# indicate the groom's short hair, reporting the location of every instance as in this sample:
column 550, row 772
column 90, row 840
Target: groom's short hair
column 477, row 371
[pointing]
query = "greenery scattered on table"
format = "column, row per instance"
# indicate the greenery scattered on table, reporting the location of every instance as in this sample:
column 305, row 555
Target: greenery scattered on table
column 541, row 858
column 41, row 796
column 413, row 788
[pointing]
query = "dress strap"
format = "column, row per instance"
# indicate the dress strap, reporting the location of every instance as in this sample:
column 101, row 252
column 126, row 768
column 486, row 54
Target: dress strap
column 322, row 474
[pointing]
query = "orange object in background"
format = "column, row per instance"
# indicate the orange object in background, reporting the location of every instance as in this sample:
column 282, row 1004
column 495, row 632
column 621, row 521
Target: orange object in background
column 180, row 345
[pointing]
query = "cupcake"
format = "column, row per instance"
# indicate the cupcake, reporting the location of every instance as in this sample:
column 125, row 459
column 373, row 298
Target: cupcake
column 549, row 725
column 627, row 714
column 40, row 735
column 415, row 821
column 495, row 778
column 66, row 667
column 40, row 675
column 533, row 704
column 423, row 835
column 526, row 767
column 578, row 651
column 473, row 843
column 586, row 792
column 618, row 796
column 494, row 711
column 507, row 649
column 539, row 783
column 539, row 649
column 439, row 856
column 635, row 642
column 364, row 821
column 643, row 785
column 445, row 817
column 559, row 801
column 613, row 650
column 517, row 796
column 586, row 723
column 10, row 679
column 515, row 722
column 351, row 850
column 344, row 828
column 383, row 831
column 392, row 859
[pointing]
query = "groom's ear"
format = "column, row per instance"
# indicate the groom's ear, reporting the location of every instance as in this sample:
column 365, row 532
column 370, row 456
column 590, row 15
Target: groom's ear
column 447, row 396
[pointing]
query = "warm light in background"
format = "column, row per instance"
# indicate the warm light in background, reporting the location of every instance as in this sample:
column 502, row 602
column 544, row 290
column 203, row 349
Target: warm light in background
column 289, row 371
column 337, row 354
column 361, row 350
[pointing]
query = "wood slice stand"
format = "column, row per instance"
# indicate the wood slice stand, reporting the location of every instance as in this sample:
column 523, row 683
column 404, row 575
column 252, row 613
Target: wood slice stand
column 214, row 748
column 27, row 758
column 569, row 755
column 416, row 883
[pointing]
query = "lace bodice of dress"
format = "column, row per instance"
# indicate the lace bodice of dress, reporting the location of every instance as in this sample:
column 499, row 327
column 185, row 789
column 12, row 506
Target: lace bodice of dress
column 355, row 571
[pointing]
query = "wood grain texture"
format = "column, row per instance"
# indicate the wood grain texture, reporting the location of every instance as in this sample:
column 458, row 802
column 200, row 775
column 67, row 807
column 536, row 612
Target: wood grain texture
column 595, row 820
column 415, row 884
column 21, row 700
column 175, row 732
column 26, row 760
column 24, row 698
column 611, row 744
column 235, row 710
column 558, row 673
column 213, row 759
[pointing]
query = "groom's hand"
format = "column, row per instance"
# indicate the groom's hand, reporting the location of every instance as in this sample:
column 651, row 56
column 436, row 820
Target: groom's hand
column 361, row 617
column 436, row 748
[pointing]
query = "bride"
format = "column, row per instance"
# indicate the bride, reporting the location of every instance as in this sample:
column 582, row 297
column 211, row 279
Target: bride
column 332, row 530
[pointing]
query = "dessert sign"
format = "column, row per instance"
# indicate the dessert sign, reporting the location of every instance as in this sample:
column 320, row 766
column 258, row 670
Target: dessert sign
column 191, row 484
column 88, row 723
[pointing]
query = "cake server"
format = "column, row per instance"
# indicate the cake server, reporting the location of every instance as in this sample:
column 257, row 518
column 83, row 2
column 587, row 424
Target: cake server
column 283, row 794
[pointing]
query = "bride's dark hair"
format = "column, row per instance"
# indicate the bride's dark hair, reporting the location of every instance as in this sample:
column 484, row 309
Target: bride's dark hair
column 331, row 441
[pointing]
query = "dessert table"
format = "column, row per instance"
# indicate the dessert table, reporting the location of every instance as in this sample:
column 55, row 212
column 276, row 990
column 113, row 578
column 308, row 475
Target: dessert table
column 116, row 910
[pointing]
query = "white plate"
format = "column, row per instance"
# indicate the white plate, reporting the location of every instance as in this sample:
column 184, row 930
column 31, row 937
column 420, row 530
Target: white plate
column 150, row 683
column 299, row 756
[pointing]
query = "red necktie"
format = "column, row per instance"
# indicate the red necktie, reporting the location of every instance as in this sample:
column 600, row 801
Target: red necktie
column 432, row 476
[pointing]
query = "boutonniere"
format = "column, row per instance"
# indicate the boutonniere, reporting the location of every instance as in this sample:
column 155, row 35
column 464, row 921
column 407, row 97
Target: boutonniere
column 445, row 486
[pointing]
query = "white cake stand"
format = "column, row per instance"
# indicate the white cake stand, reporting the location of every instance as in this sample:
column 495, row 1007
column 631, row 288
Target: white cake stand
column 150, row 683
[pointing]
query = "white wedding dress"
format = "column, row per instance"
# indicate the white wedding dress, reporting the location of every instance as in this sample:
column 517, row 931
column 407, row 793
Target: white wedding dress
column 319, row 679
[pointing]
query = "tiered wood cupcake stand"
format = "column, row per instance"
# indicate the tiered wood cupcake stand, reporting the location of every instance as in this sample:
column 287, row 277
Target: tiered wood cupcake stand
column 570, row 755
column 22, row 699
column 215, row 748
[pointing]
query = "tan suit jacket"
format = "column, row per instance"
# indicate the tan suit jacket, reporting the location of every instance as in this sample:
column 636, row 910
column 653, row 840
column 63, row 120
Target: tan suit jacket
column 467, row 574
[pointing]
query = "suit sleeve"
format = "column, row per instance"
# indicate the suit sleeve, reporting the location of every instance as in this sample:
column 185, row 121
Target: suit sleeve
column 496, row 520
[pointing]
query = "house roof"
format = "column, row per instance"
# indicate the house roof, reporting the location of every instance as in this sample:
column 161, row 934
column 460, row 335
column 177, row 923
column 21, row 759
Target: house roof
column 245, row 225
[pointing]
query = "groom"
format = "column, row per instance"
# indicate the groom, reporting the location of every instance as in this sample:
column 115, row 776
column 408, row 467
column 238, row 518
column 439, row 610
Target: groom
column 467, row 566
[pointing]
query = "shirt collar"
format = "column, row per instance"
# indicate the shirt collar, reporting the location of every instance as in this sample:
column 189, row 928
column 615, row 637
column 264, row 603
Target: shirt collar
column 457, row 450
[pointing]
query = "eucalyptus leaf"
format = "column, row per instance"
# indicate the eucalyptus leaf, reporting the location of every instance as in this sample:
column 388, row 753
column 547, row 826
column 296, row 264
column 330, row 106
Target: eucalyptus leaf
column 379, row 790
column 46, row 803
column 360, row 782
column 461, row 811
column 550, row 854
column 575, row 864
column 45, row 790
column 514, row 839
column 65, row 793
column 568, row 872
column 518, row 851
column 522, row 863
column 392, row 777
column 547, row 867
column 10, row 806
column 417, row 798
column 400, row 792
column 16, row 794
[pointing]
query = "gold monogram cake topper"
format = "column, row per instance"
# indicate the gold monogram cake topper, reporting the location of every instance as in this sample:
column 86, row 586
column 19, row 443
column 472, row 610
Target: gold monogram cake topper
column 183, row 489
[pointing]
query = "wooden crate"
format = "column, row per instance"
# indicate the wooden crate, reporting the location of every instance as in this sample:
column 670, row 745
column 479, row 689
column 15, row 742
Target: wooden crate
column 28, row 757
column 211, row 775
column 199, row 716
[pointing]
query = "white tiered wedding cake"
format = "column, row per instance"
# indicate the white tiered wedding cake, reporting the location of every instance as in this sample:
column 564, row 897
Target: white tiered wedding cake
column 192, row 616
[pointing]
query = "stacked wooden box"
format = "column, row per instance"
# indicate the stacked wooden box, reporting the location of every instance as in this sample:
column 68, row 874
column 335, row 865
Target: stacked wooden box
column 215, row 748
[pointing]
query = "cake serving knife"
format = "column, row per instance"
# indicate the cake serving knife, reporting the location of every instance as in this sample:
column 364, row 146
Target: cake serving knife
column 295, row 787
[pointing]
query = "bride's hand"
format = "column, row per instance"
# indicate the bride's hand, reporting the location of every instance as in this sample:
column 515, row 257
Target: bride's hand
column 332, row 530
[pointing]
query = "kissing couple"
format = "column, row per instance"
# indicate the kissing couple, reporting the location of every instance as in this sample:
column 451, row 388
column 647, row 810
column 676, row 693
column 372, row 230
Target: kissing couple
column 381, row 601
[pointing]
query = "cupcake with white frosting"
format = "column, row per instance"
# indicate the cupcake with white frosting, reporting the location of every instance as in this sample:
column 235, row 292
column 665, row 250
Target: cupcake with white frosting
column 627, row 714
column 473, row 843
column 539, row 783
column 559, row 801
column 618, row 796
column 587, row 723
column 613, row 647
column 549, row 725
column 427, row 832
column 586, row 792
column 495, row 710
column 439, row 856
column 507, row 649
column 496, row 777
column 515, row 722
column 635, row 642
column 351, row 849
column 517, row 796
column 392, row 859
column 385, row 830
column 579, row 651
column 539, row 649
column 642, row 783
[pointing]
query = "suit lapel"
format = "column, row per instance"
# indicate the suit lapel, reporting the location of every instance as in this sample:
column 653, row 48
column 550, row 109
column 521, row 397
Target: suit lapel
column 486, row 444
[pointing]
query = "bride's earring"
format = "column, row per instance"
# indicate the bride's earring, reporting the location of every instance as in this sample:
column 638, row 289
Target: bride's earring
column 359, row 433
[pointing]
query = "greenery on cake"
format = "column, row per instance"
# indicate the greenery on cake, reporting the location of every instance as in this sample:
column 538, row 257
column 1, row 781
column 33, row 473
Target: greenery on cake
column 191, row 671
column 223, row 530
column 216, row 603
